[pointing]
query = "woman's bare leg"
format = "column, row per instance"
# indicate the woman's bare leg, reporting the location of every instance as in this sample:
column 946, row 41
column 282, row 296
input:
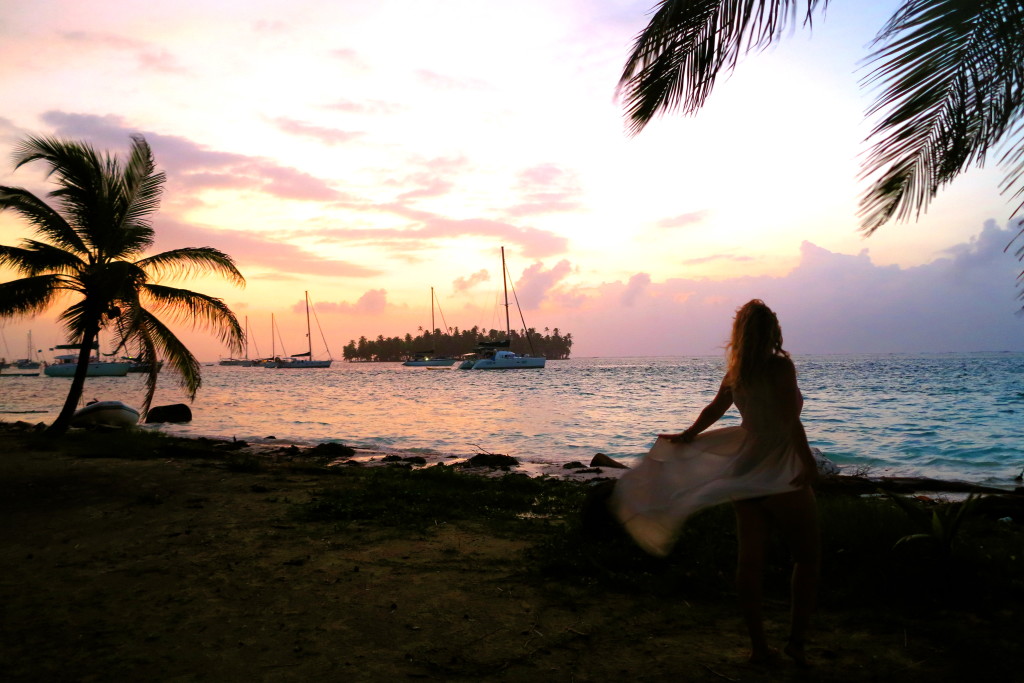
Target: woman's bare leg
column 796, row 516
column 752, row 530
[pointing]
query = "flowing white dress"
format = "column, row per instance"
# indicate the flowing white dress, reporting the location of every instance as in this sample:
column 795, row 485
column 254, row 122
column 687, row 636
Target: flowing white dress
column 675, row 480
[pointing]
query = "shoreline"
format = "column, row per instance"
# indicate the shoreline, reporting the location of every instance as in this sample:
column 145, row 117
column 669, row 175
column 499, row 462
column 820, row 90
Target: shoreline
column 596, row 470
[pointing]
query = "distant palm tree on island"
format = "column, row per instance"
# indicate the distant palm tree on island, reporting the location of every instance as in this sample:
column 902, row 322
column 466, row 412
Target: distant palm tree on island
column 91, row 247
column 951, row 77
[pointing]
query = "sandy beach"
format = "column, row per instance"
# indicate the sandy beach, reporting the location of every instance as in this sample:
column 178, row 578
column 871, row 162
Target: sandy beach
column 192, row 565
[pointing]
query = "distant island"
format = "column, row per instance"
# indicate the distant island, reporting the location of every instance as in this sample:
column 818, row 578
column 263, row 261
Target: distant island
column 551, row 344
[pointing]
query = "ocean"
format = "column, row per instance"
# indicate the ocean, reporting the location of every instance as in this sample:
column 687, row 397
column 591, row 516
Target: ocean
column 948, row 416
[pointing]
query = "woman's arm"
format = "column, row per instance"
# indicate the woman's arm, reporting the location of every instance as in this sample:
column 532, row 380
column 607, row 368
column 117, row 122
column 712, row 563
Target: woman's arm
column 789, row 403
column 709, row 416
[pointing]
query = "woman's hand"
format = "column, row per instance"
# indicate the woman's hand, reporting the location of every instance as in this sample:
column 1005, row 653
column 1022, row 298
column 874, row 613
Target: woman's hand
column 685, row 436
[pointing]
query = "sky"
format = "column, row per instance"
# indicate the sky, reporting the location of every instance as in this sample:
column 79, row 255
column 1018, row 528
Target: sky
column 367, row 152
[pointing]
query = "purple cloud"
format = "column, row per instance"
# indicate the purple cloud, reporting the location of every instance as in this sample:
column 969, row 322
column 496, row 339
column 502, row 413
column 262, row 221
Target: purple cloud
column 148, row 57
column 193, row 166
column 829, row 303
column 252, row 250
column 715, row 257
column 373, row 302
column 546, row 189
column 636, row 288
column 683, row 220
column 535, row 282
column 461, row 284
column 534, row 243
column 328, row 136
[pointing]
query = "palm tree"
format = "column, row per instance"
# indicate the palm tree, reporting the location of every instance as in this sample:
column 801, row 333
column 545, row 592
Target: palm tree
column 90, row 248
column 951, row 74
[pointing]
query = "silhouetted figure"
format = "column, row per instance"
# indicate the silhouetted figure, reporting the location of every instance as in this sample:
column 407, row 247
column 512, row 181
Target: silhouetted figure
column 764, row 467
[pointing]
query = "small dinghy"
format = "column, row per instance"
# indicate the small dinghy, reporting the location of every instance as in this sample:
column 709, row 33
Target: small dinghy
column 106, row 414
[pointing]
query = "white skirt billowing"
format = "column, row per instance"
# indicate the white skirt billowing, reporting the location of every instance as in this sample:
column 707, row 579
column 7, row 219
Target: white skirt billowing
column 675, row 480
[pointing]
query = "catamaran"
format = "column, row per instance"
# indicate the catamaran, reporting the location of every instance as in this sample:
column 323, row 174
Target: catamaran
column 497, row 355
column 65, row 364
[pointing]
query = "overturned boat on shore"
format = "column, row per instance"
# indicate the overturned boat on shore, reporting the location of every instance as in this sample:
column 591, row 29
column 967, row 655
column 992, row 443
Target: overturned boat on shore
column 105, row 414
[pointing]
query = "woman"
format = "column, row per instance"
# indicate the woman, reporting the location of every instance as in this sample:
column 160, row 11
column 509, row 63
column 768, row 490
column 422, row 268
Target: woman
column 764, row 467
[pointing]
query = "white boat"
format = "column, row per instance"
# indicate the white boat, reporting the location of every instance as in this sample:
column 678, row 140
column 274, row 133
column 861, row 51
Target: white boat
column 496, row 355
column 106, row 414
column 303, row 360
column 64, row 365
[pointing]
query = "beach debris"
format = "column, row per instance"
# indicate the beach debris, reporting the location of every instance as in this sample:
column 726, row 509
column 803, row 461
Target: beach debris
column 175, row 412
column 602, row 460
column 332, row 449
column 491, row 460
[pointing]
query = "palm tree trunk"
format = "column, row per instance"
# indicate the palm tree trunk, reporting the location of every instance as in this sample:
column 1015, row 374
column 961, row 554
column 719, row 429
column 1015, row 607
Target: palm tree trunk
column 63, row 421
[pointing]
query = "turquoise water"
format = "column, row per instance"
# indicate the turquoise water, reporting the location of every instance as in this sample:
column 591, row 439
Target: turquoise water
column 953, row 416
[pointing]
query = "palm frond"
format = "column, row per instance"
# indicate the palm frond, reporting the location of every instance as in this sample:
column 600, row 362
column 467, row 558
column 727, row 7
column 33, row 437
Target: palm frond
column 190, row 261
column 29, row 295
column 81, row 190
column 176, row 355
column 137, row 194
column 35, row 258
column 77, row 318
column 677, row 58
column 203, row 310
column 952, row 74
column 42, row 217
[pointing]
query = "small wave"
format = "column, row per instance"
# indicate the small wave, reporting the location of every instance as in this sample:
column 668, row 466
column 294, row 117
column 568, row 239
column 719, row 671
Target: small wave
column 22, row 412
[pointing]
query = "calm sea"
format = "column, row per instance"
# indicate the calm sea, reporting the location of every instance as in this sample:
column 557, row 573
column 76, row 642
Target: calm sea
column 953, row 416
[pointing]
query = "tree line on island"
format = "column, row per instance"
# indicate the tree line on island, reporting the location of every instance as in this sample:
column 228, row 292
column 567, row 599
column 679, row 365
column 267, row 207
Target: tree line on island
column 552, row 344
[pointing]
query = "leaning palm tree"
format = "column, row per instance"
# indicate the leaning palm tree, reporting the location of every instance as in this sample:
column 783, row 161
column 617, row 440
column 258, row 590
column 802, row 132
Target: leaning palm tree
column 951, row 74
column 91, row 249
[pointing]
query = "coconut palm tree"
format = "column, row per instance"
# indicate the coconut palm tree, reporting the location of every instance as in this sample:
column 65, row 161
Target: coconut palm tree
column 951, row 74
column 90, row 249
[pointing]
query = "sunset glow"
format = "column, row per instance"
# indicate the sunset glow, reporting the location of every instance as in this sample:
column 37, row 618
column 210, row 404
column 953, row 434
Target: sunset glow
column 367, row 152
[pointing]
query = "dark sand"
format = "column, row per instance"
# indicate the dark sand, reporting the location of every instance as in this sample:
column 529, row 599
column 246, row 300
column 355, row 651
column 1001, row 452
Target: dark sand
column 183, row 570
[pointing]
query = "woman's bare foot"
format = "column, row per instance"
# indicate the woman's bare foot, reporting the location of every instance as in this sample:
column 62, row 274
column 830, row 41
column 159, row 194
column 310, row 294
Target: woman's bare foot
column 795, row 650
column 768, row 655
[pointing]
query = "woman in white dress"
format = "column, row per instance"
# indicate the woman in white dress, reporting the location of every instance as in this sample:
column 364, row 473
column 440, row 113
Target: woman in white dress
column 764, row 467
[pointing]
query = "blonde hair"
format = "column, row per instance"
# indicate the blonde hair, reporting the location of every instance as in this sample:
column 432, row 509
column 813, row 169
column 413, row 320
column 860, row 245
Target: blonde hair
column 756, row 341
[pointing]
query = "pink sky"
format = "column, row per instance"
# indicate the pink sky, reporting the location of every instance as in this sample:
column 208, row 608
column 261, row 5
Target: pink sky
column 367, row 152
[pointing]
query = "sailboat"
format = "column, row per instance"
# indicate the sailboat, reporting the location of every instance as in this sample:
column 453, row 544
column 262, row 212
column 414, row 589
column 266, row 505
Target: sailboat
column 427, row 359
column 28, row 362
column 240, row 362
column 497, row 355
column 305, row 360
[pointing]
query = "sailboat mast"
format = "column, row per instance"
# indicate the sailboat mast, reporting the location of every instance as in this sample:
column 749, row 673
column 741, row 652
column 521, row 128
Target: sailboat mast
column 309, row 336
column 431, row 311
column 247, row 337
column 504, row 282
column 273, row 341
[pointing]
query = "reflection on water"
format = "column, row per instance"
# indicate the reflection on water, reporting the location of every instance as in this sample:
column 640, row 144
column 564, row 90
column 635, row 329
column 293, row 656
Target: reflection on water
column 952, row 415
